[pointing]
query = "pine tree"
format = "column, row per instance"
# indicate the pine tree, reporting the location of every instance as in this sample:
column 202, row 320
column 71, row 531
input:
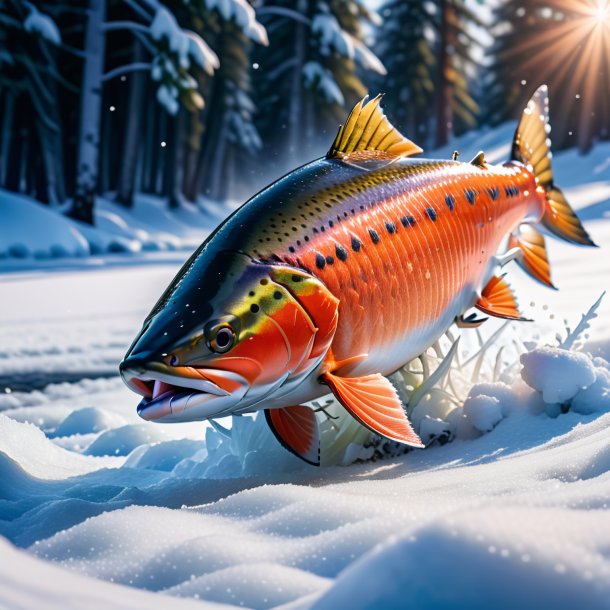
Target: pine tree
column 309, row 74
column 404, row 45
column 456, row 109
column 427, row 48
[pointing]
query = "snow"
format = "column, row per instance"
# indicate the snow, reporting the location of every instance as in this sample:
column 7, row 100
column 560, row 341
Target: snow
column 30, row 229
column 319, row 78
column 42, row 25
column 33, row 231
column 243, row 15
column 559, row 374
column 484, row 412
column 101, row 509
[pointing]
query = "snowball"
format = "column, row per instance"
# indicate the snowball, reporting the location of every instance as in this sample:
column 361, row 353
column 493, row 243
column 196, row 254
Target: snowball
column 505, row 395
column 42, row 24
column 484, row 412
column 558, row 373
column 596, row 397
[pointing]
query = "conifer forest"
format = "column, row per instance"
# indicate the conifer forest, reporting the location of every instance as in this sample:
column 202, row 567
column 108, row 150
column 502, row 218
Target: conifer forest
column 185, row 99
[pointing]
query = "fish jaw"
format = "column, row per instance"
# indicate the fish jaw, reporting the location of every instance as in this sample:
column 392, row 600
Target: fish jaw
column 183, row 394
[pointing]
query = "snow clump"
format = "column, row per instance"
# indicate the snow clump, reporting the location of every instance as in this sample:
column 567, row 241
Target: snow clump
column 557, row 373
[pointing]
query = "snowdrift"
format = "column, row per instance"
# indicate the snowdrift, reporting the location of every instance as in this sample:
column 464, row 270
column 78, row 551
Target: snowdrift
column 508, row 506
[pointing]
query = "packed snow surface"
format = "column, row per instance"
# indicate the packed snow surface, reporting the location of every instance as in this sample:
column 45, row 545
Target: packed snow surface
column 100, row 509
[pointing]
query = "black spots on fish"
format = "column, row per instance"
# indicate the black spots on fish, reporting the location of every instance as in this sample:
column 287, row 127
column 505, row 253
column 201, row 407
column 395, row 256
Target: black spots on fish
column 320, row 261
column 277, row 295
column 511, row 191
column 471, row 195
column 494, row 192
column 291, row 249
column 251, row 293
column 296, row 278
column 341, row 252
column 391, row 227
column 374, row 236
column 407, row 221
column 431, row 214
column 330, row 260
column 264, row 282
column 450, row 201
column 356, row 244
column 330, row 223
column 254, row 308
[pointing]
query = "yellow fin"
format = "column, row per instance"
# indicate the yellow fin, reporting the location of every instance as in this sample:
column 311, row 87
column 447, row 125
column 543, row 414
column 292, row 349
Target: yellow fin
column 368, row 129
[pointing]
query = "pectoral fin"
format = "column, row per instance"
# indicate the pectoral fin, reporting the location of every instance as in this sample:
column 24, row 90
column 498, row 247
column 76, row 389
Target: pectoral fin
column 297, row 430
column 498, row 300
column 373, row 401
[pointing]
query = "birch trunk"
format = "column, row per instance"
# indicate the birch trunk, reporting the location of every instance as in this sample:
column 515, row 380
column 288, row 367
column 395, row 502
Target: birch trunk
column 91, row 101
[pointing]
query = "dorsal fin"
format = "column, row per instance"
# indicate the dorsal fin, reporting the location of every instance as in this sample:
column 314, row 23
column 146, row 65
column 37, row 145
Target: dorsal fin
column 368, row 129
column 479, row 160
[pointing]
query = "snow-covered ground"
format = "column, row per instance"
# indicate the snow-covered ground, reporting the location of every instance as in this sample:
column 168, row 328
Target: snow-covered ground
column 101, row 509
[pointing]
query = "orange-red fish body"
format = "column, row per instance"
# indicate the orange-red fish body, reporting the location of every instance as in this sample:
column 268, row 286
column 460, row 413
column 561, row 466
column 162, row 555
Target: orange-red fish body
column 405, row 248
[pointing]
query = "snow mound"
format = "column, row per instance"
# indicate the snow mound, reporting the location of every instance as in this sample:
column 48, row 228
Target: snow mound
column 58, row 589
column 123, row 440
column 507, row 559
column 246, row 585
column 557, row 373
column 47, row 461
column 30, row 229
column 86, row 421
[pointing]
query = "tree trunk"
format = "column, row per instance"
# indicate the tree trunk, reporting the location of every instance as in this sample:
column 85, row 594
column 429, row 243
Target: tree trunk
column 91, row 100
column 131, row 143
column 174, row 165
column 7, row 131
column 15, row 160
column 295, row 106
column 52, row 155
column 210, row 135
column 443, row 107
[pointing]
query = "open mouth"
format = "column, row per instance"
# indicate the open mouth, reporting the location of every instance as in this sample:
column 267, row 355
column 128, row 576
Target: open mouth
column 180, row 393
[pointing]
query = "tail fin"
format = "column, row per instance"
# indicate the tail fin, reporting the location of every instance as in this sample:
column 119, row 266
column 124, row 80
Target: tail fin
column 531, row 146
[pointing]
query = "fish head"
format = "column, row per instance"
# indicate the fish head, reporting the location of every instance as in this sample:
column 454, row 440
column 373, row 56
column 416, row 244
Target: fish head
column 227, row 334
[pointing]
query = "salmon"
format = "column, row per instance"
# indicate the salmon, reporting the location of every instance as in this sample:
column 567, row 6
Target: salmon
column 341, row 272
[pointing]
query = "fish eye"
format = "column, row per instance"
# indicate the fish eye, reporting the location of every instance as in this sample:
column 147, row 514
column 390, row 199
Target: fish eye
column 221, row 339
column 173, row 360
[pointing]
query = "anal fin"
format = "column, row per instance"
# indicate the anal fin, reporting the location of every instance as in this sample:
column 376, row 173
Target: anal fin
column 532, row 256
column 373, row 401
column 296, row 428
column 498, row 300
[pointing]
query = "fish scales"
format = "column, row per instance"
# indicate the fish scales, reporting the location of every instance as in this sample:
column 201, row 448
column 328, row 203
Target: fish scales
column 424, row 265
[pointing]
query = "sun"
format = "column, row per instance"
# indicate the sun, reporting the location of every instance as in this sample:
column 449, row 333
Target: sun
column 602, row 12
